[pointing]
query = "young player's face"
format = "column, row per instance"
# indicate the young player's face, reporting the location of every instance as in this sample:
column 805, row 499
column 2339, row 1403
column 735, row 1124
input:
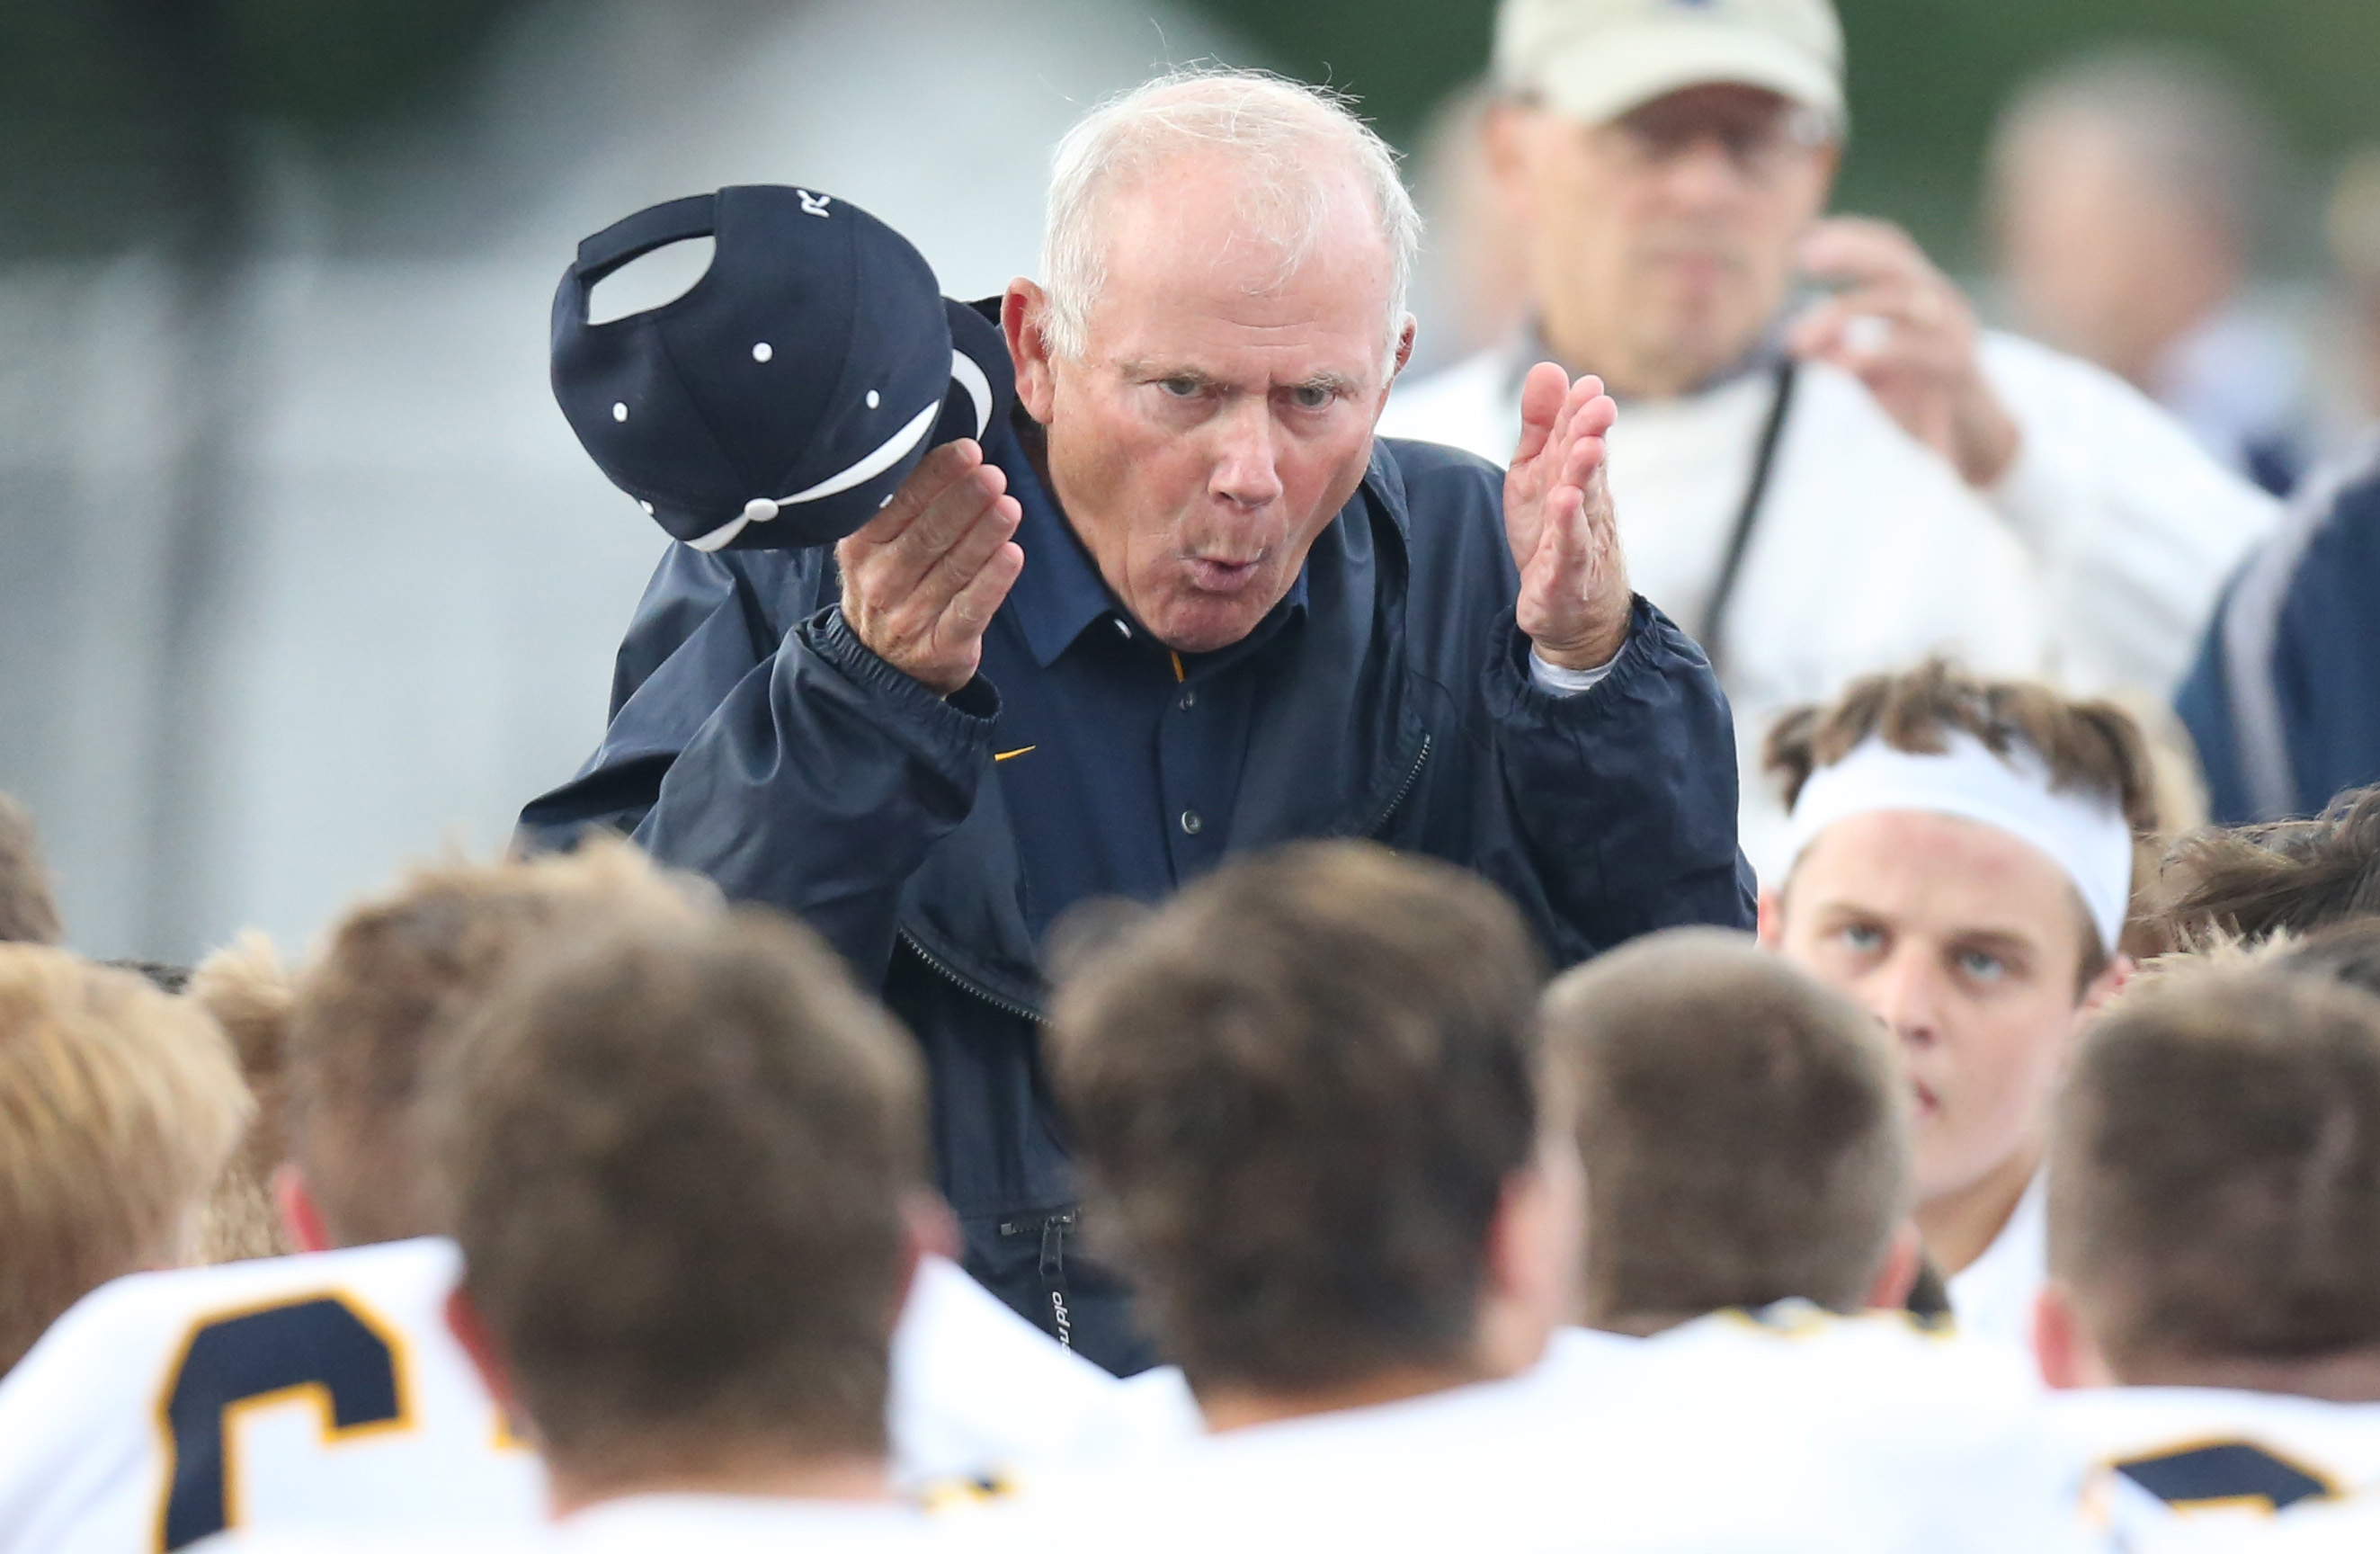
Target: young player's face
column 1221, row 411
column 1969, row 944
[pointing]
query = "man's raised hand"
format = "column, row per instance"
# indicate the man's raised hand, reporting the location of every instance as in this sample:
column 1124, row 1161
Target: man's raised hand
column 1574, row 599
column 922, row 579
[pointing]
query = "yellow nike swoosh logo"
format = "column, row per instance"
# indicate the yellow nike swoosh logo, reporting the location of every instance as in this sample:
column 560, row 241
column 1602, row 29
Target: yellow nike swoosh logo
column 1011, row 755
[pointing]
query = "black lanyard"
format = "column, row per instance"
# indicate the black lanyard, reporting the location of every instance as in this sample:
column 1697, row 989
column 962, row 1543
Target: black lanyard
column 1739, row 539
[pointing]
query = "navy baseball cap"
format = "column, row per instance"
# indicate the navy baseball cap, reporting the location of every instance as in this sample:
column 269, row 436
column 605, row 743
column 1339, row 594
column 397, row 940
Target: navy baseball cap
column 783, row 398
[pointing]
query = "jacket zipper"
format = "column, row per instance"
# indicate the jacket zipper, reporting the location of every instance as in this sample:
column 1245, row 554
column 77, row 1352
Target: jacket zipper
column 1388, row 811
column 942, row 970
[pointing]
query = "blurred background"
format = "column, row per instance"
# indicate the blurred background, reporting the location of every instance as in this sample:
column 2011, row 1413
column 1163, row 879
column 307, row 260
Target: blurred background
column 302, row 572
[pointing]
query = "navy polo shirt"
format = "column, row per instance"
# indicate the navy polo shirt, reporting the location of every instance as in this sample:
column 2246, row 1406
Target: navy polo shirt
column 1118, row 758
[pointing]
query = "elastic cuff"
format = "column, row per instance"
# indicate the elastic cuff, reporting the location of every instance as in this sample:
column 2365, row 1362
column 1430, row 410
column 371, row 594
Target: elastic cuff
column 1554, row 680
column 967, row 713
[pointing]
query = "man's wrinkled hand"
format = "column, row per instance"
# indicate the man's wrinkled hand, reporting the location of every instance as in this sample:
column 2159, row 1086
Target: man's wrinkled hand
column 1574, row 603
column 923, row 578
column 1902, row 328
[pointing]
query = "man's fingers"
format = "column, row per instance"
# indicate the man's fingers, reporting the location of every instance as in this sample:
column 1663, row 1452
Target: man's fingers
column 936, row 473
column 1543, row 393
column 1857, row 249
column 902, row 562
column 958, row 566
column 970, row 610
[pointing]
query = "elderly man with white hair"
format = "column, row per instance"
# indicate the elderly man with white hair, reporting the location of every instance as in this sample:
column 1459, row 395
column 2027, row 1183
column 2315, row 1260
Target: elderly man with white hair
column 1183, row 606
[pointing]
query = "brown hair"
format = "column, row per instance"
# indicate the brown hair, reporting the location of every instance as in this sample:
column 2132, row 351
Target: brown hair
column 118, row 1107
column 29, row 912
column 1298, row 1091
column 250, row 993
column 677, row 1155
column 2214, row 1170
column 1743, row 1130
column 2092, row 747
column 2348, row 952
column 2253, row 880
column 380, row 999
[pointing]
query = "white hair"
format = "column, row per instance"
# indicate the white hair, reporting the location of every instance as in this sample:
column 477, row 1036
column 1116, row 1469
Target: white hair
column 1271, row 123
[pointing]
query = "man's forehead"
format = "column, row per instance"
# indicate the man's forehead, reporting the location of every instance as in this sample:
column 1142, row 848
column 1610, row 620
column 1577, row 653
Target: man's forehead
column 1945, row 870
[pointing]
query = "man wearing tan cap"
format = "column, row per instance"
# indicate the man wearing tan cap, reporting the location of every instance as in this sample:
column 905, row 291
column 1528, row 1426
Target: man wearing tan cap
column 1825, row 483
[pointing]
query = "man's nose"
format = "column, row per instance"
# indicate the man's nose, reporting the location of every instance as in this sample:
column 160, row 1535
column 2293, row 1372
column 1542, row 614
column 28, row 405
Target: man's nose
column 1703, row 174
column 1245, row 473
column 1906, row 994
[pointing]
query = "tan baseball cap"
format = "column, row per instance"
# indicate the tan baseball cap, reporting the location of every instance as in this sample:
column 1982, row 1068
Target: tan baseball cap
column 1594, row 60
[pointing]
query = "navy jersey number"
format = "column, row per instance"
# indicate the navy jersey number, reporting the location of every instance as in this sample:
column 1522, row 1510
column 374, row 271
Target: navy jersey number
column 320, row 1345
column 2226, row 1471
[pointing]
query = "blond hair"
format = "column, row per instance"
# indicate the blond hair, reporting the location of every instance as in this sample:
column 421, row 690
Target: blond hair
column 118, row 1107
column 247, row 990
column 378, row 1004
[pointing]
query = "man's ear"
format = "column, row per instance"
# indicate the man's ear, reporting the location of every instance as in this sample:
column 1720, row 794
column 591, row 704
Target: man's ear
column 1890, row 1290
column 470, row 1330
column 1771, row 923
column 1504, row 129
column 1531, row 1259
column 2108, row 983
column 1024, row 313
column 299, row 1214
column 2063, row 1346
column 1405, row 345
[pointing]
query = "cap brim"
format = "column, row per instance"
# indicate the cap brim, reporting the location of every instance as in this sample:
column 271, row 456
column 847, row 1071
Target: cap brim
column 983, row 380
column 1598, row 78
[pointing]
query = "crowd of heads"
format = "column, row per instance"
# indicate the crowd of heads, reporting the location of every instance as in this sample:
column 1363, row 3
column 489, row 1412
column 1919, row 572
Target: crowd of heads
column 1348, row 1138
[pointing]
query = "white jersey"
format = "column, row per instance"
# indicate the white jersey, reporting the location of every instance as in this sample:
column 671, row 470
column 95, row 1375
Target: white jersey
column 326, row 1388
column 980, row 1392
column 166, row 1407
column 1993, row 1298
column 2214, row 1468
column 1729, row 1435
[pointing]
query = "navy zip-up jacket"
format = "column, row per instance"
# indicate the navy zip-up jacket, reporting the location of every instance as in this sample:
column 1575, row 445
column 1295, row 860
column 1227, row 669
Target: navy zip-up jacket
column 754, row 738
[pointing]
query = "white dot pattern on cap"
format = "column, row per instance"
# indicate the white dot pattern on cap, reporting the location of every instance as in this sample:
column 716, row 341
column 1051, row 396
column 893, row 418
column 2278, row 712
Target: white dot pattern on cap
column 647, row 507
column 620, row 411
column 763, row 351
column 874, row 399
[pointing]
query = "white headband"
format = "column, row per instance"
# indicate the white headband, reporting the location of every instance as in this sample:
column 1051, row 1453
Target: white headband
column 2085, row 834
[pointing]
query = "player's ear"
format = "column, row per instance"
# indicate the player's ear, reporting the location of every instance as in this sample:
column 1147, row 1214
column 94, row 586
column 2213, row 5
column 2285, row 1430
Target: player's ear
column 2064, row 1352
column 1023, row 316
column 470, row 1330
column 2108, row 983
column 1890, row 1290
column 1771, row 922
column 299, row 1213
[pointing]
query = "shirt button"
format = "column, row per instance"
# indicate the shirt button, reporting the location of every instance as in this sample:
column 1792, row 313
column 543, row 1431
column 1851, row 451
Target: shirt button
column 1191, row 824
column 1189, row 700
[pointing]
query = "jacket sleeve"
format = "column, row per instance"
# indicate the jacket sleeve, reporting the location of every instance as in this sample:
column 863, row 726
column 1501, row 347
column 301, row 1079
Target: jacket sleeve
column 805, row 773
column 1622, row 797
column 2135, row 527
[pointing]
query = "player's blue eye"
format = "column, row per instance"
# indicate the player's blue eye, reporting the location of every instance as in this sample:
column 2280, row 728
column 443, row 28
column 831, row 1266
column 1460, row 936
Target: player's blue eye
column 1981, row 967
column 1862, row 939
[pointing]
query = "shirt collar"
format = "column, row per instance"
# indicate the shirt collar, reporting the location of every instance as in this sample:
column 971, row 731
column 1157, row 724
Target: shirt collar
column 1060, row 594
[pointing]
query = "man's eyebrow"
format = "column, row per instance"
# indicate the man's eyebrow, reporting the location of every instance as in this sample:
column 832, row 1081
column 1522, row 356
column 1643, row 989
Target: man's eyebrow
column 1164, row 372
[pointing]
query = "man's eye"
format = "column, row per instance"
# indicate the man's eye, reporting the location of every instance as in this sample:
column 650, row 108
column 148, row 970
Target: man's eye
column 1310, row 396
column 1181, row 388
column 1862, row 939
column 1978, row 967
